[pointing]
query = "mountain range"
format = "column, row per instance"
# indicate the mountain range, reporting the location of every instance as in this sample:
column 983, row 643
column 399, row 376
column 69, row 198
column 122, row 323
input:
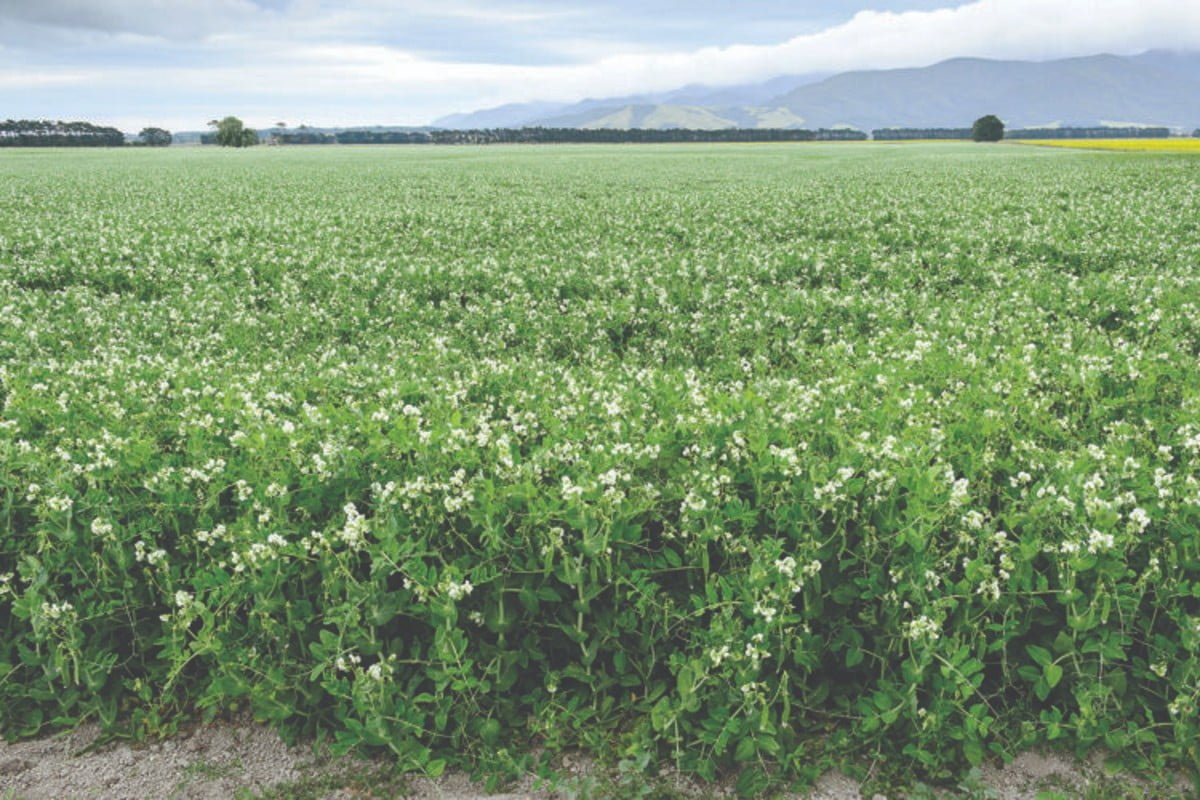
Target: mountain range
column 1154, row 88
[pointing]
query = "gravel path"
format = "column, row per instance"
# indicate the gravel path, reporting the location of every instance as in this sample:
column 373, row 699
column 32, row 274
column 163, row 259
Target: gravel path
column 225, row 761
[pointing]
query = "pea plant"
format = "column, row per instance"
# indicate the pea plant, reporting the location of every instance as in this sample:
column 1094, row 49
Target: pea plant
column 738, row 458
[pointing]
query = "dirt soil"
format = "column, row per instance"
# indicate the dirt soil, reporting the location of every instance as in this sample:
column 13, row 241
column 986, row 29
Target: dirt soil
column 224, row 761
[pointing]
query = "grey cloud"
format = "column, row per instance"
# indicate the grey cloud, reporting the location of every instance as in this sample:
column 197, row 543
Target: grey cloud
column 171, row 19
column 363, row 61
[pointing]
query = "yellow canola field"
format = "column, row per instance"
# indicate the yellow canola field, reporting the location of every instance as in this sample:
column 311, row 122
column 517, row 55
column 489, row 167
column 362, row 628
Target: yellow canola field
column 1148, row 145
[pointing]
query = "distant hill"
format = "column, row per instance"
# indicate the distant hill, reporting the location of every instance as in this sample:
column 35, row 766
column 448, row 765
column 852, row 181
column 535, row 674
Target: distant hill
column 1184, row 64
column 593, row 111
column 1076, row 91
column 665, row 115
column 1154, row 88
column 513, row 115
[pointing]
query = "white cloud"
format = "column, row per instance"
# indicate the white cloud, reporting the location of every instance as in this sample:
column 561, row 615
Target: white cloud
column 46, row 79
column 197, row 19
column 479, row 12
column 986, row 28
column 299, row 68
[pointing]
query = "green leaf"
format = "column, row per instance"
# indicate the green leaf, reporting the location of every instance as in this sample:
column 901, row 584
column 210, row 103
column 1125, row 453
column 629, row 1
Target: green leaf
column 661, row 715
column 685, row 681
column 1053, row 674
column 489, row 731
column 854, row 657
column 1040, row 655
column 752, row 782
column 974, row 752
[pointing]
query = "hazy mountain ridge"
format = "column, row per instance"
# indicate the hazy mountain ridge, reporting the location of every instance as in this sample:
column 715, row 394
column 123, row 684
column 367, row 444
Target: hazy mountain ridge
column 1153, row 88
column 666, row 115
column 712, row 99
column 1077, row 91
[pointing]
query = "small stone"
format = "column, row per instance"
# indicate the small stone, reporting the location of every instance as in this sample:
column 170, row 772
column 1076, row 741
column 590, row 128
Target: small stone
column 14, row 766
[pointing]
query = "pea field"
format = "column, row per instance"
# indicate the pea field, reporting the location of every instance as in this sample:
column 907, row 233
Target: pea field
column 747, row 459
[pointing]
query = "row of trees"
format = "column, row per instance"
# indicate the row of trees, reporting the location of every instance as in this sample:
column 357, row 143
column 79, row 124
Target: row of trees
column 988, row 128
column 562, row 136
column 56, row 133
column 909, row 134
column 1091, row 133
column 991, row 129
column 232, row 132
column 640, row 135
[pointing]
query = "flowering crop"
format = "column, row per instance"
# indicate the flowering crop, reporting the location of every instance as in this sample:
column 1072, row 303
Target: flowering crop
column 1127, row 145
column 736, row 455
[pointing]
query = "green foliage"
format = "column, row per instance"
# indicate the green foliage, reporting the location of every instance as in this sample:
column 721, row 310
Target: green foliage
column 231, row 132
column 155, row 137
column 747, row 458
column 987, row 129
column 909, row 134
column 365, row 780
column 567, row 135
column 55, row 133
column 1099, row 132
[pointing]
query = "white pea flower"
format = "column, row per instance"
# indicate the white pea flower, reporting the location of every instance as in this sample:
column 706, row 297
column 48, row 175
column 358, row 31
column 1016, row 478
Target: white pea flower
column 1099, row 542
column 1139, row 520
column 923, row 628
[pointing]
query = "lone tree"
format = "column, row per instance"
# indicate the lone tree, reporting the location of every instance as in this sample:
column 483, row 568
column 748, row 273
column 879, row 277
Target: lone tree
column 155, row 137
column 988, row 129
column 232, row 133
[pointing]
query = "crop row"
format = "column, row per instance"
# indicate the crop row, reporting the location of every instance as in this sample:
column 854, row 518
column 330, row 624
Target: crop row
column 732, row 455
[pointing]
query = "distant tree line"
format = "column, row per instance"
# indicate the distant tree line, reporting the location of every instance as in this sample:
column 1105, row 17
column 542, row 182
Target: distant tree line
column 47, row 133
column 640, row 135
column 563, row 136
column 1099, row 132
column 378, row 137
column 908, row 134
column 1090, row 133
column 303, row 137
column 231, row 132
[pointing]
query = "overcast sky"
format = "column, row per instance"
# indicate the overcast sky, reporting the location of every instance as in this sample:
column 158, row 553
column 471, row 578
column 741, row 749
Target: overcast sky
column 179, row 63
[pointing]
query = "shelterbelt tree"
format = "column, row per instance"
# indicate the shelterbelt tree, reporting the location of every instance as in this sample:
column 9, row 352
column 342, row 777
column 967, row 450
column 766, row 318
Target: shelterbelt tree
column 750, row 458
